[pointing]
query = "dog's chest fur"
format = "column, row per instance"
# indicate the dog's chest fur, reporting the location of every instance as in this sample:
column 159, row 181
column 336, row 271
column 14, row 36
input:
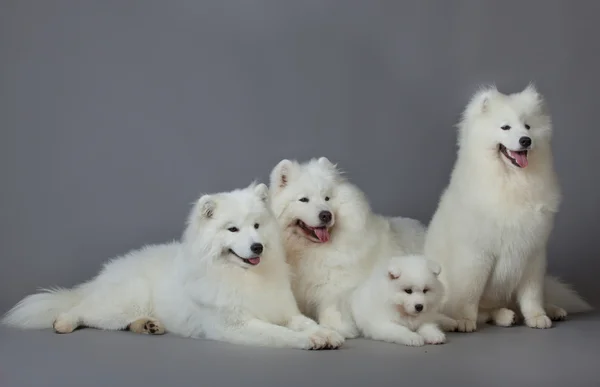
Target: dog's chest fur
column 511, row 227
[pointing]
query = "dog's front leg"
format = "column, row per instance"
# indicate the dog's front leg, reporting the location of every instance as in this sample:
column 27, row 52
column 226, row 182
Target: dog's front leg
column 330, row 316
column 530, row 294
column 467, row 288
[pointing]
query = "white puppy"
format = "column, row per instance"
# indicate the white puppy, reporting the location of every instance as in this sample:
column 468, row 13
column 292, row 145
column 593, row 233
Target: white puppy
column 494, row 219
column 226, row 280
column 399, row 303
column 332, row 238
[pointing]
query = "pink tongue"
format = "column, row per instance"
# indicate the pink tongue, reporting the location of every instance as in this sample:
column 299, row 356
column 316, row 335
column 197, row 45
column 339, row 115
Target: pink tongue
column 520, row 158
column 322, row 233
column 254, row 260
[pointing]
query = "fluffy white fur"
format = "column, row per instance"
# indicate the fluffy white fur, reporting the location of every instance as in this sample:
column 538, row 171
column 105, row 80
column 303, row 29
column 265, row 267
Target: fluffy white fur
column 494, row 219
column 215, row 283
column 399, row 303
column 332, row 238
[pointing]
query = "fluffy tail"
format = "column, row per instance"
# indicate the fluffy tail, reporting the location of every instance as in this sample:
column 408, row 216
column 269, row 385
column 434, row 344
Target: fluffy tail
column 38, row 311
column 562, row 295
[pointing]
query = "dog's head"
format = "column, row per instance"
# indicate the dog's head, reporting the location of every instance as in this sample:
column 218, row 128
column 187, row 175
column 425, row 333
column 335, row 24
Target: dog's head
column 510, row 127
column 237, row 227
column 414, row 279
column 315, row 204
column 304, row 197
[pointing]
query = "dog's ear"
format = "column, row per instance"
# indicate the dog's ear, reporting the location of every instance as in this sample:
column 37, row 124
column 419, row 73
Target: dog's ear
column 324, row 161
column 435, row 267
column 393, row 273
column 280, row 175
column 530, row 100
column 331, row 167
column 262, row 191
column 480, row 102
column 206, row 205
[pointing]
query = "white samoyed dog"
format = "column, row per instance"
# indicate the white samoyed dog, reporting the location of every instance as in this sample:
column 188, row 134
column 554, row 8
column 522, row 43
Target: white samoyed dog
column 399, row 303
column 226, row 280
column 332, row 238
column 493, row 221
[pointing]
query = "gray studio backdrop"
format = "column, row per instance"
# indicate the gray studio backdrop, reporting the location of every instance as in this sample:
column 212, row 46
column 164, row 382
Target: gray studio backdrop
column 115, row 115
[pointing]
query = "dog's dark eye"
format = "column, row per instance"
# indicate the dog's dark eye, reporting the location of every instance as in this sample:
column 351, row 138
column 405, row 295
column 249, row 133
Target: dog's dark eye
column 425, row 290
column 233, row 229
column 326, row 198
column 408, row 291
column 527, row 127
column 304, row 200
column 505, row 127
column 256, row 225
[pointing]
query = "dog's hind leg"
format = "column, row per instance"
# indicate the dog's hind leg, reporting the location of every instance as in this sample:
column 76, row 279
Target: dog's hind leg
column 106, row 308
column 147, row 325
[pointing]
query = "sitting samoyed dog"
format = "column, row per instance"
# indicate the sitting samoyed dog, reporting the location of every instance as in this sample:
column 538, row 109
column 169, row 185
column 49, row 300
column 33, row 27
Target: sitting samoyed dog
column 493, row 221
column 226, row 280
column 399, row 303
column 332, row 238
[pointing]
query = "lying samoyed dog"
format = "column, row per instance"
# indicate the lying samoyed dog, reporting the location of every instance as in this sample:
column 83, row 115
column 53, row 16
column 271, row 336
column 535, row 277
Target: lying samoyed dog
column 332, row 238
column 493, row 220
column 399, row 303
column 226, row 280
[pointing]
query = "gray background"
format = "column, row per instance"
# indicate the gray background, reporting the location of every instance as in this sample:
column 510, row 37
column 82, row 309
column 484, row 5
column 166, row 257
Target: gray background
column 115, row 115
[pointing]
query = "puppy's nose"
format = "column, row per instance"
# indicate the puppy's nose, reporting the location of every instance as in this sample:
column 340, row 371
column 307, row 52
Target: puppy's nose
column 325, row 216
column 419, row 307
column 525, row 141
column 256, row 248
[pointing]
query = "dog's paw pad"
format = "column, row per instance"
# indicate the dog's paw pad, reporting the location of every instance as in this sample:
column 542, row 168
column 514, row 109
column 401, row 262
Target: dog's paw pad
column 556, row 314
column 147, row 326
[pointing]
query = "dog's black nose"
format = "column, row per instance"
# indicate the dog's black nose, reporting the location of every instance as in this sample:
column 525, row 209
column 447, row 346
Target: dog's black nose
column 325, row 216
column 419, row 307
column 256, row 248
column 525, row 141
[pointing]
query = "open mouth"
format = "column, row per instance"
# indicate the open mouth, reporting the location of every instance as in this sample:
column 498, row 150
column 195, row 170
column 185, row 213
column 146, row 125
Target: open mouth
column 317, row 234
column 517, row 158
column 250, row 261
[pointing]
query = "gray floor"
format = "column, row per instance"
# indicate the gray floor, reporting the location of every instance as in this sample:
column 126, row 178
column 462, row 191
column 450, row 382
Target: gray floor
column 567, row 355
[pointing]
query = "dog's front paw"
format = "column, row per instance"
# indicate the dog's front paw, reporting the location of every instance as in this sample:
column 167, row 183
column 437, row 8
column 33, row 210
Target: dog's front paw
column 448, row 324
column 434, row 337
column 413, row 339
column 504, row 317
column 539, row 322
column 333, row 339
column 556, row 313
column 466, row 325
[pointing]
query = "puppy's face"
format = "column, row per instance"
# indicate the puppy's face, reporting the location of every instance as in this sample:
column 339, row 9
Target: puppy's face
column 414, row 280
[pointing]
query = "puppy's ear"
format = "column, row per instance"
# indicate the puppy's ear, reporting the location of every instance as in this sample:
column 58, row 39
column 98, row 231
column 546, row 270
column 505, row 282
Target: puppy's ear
column 205, row 207
column 393, row 273
column 435, row 267
column 280, row 175
column 262, row 191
